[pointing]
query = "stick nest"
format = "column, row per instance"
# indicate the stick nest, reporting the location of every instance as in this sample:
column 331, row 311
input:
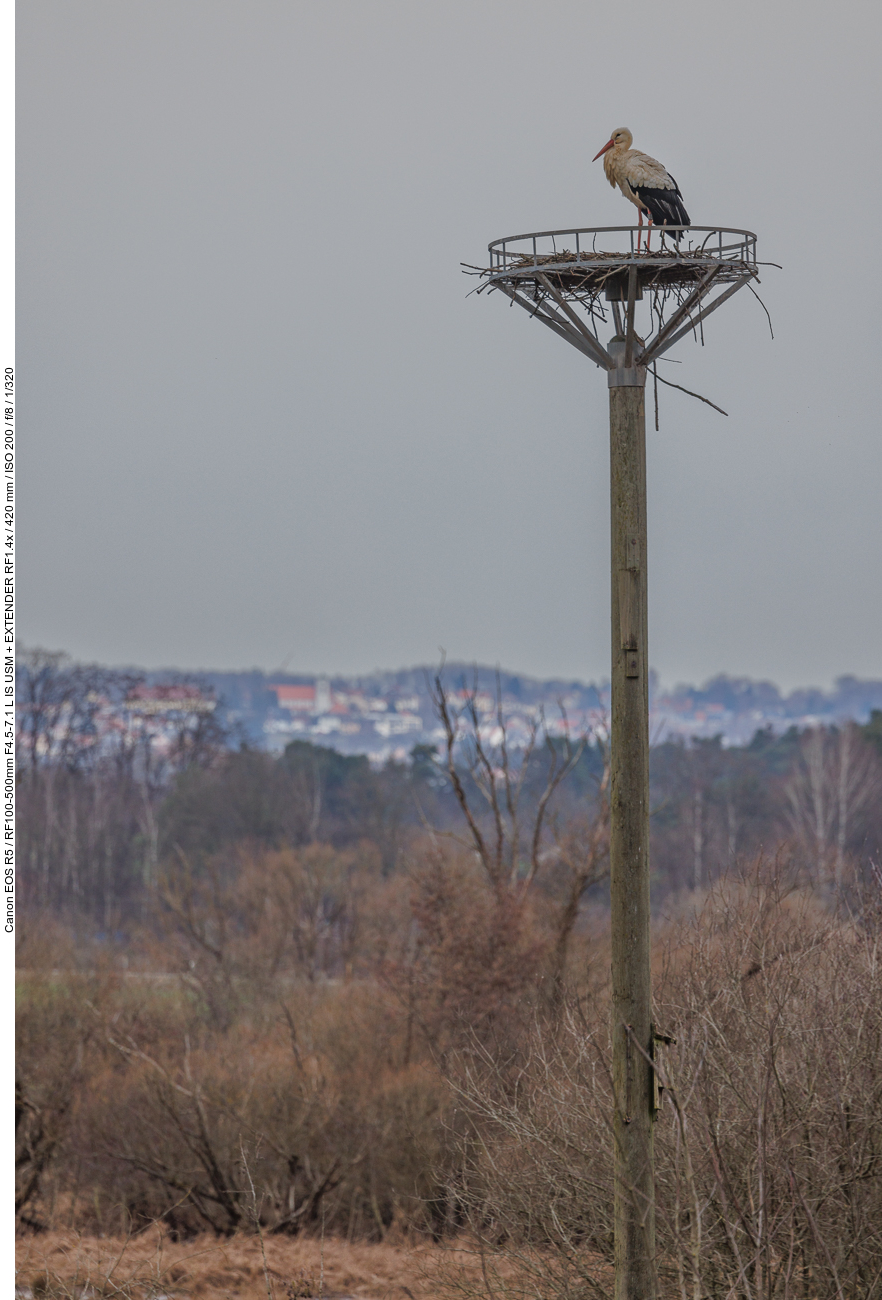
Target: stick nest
column 579, row 273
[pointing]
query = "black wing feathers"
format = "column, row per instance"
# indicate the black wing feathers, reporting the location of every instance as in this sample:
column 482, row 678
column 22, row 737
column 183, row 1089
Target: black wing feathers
column 665, row 207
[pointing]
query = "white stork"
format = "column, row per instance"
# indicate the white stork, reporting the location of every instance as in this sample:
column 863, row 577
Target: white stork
column 645, row 182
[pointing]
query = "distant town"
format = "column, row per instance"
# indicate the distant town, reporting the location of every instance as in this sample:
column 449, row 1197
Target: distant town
column 385, row 715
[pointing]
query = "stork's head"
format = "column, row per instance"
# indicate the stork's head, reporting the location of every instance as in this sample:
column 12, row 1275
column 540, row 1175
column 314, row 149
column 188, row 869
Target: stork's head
column 620, row 139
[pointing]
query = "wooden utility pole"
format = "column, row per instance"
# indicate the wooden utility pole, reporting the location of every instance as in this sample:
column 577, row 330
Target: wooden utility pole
column 631, row 1026
column 555, row 275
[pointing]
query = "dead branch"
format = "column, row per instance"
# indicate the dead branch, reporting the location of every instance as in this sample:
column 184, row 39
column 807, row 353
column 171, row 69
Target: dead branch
column 688, row 393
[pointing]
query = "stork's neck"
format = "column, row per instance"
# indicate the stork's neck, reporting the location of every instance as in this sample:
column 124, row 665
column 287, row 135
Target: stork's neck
column 611, row 160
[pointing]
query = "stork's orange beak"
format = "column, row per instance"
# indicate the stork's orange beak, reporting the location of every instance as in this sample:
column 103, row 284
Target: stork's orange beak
column 608, row 145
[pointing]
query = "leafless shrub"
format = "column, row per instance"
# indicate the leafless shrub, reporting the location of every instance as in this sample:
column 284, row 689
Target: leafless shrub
column 476, row 960
column 57, row 1055
column 246, row 922
column 778, row 1015
column 316, row 1104
column 768, row 1147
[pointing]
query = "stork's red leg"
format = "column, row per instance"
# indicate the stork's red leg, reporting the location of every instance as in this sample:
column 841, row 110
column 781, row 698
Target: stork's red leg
column 648, row 229
column 639, row 226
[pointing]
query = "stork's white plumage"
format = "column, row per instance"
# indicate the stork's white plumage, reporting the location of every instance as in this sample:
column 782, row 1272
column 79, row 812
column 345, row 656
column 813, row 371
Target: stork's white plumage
column 643, row 180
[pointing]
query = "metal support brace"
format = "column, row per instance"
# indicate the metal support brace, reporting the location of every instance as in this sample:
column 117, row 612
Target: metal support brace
column 583, row 338
column 603, row 357
column 655, row 349
column 626, row 357
column 555, row 323
column 683, row 312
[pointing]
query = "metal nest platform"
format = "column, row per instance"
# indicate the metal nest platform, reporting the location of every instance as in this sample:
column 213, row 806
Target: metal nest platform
column 597, row 259
column 554, row 273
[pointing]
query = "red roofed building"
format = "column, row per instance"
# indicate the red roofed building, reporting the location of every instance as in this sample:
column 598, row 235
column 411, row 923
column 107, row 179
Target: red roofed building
column 304, row 699
column 299, row 699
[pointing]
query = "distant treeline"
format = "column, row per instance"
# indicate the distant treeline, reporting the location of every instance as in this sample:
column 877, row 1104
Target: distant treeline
column 99, row 822
column 246, row 703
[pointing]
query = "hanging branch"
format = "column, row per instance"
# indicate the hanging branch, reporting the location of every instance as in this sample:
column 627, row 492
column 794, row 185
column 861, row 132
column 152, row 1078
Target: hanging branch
column 763, row 305
column 688, row 393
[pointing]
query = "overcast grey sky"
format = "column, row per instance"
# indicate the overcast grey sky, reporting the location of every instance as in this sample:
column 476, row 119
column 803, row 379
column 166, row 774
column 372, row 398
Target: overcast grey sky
column 261, row 422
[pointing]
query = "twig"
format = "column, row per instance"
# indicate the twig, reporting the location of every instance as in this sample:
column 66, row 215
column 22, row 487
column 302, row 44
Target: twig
column 269, row 1288
column 763, row 305
column 439, row 700
column 688, row 392
column 815, row 1233
column 322, row 1257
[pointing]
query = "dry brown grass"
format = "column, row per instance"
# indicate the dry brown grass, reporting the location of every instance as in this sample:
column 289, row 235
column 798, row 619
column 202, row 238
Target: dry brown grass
column 66, row 1264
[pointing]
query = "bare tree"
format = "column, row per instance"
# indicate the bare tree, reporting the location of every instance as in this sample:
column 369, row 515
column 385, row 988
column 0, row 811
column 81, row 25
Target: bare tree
column 517, row 837
column 835, row 780
column 582, row 850
column 96, row 766
column 500, row 781
column 56, row 705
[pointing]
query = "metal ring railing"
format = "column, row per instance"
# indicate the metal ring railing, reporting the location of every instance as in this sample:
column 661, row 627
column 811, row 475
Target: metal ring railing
column 516, row 251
